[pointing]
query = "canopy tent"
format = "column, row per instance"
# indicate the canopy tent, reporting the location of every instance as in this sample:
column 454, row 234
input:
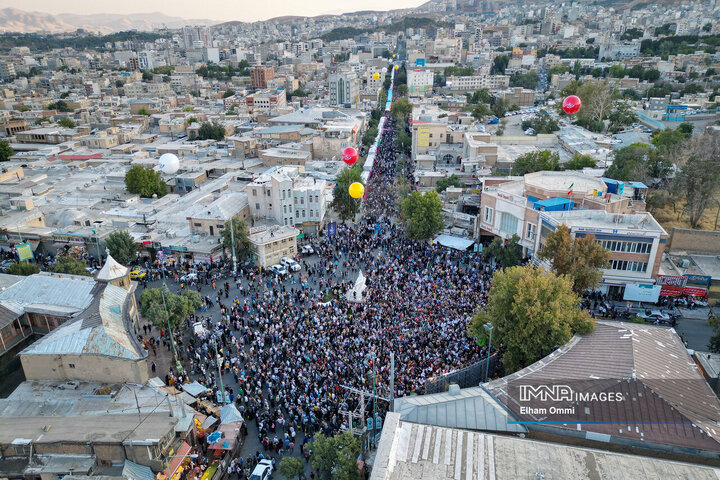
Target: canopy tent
column 456, row 243
column 195, row 389
column 355, row 294
column 230, row 414
column 227, row 438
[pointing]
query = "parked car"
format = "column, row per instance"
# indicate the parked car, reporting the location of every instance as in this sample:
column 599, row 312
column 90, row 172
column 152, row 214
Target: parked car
column 290, row 264
column 655, row 316
column 307, row 250
column 138, row 274
column 5, row 264
column 263, row 470
column 279, row 270
column 189, row 277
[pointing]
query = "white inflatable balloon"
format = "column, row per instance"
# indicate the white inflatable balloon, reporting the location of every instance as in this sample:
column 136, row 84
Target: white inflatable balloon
column 384, row 69
column 169, row 163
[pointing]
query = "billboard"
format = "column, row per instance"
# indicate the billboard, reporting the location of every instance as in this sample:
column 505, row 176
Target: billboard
column 423, row 138
column 24, row 251
column 332, row 229
column 639, row 292
column 419, row 62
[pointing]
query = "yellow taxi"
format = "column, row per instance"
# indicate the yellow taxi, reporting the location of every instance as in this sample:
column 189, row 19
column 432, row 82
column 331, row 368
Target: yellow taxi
column 138, row 274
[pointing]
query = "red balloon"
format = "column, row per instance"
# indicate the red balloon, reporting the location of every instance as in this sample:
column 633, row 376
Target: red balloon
column 571, row 104
column 350, row 156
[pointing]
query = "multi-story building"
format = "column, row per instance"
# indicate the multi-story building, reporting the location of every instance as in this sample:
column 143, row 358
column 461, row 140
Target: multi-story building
column 270, row 244
column 259, row 76
column 7, row 71
column 51, row 135
column 420, row 82
column 196, row 35
column 344, row 90
column 209, row 217
column 477, row 82
column 522, row 97
column 266, row 100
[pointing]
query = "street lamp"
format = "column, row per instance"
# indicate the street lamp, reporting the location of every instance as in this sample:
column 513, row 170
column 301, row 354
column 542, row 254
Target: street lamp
column 488, row 326
column 217, row 362
column 232, row 239
column 373, row 359
column 163, row 291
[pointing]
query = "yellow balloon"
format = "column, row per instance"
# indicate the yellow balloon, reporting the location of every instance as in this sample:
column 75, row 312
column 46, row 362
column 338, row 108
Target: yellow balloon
column 376, row 76
column 393, row 55
column 356, row 190
column 397, row 67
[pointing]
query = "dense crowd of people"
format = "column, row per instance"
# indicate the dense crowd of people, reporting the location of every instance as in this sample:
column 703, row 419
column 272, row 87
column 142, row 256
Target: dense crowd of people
column 289, row 350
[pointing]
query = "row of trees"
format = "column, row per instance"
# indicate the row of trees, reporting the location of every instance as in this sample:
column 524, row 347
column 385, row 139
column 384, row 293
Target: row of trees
column 601, row 104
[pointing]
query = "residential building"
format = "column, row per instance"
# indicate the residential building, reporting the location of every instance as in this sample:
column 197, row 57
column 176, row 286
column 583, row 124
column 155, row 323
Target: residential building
column 477, row 82
column 344, row 90
column 51, row 135
column 260, row 76
column 420, row 82
column 266, row 100
column 209, row 215
column 270, row 244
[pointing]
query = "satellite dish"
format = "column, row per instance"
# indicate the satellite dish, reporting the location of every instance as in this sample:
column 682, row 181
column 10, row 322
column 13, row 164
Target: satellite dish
column 169, row 163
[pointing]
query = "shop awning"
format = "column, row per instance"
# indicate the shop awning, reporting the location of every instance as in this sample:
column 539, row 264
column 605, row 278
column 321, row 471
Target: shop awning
column 695, row 292
column 671, row 291
column 177, row 459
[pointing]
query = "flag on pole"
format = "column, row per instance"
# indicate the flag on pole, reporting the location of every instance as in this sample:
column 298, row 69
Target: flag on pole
column 570, row 190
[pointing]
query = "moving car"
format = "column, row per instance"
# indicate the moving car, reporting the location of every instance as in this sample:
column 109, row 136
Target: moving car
column 262, row 471
column 138, row 274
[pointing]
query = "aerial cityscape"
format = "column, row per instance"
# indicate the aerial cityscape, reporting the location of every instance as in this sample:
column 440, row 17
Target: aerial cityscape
column 458, row 239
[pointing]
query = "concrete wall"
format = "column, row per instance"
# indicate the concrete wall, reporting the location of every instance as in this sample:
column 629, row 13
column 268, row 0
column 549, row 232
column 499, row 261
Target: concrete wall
column 91, row 368
column 694, row 241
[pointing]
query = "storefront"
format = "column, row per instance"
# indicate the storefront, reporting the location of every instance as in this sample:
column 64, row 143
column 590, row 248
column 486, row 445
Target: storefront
column 683, row 285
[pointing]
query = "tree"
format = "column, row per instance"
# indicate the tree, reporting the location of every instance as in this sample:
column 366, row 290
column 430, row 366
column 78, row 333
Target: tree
column 422, row 214
column 402, row 90
column 122, row 247
column 500, row 64
column 66, row 122
column 597, row 103
column 480, row 111
column 578, row 162
column 622, row 114
column 500, row 107
column 228, row 93
column 401, row 109
column 60, row 106
column 291, row 467
column 480, row 96
column 403, row 141
column 213, row 131
column 346, row 206
column 145, row 181
column 242, row 243
column 541, row 123
column 5, row 150
column 633, row 163
column 173, row 308
column 22, row 268
column 336, row 457
column 144, row 111
column 69, row 265
column 536, row 161
column 714, row 322
column 147, row 76
column 508, row 253
column 532, row 312
column 451, row 181
column 699, row 175
column 524, row 80
column 579, row 258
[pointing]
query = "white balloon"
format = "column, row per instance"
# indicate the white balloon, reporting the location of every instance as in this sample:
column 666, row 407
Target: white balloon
column 384, row 70
column 169, row 163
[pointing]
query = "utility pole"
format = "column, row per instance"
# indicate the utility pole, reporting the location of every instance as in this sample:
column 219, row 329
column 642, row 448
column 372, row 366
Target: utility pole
column 488, row 326
column 217, row 361
column 232, row 239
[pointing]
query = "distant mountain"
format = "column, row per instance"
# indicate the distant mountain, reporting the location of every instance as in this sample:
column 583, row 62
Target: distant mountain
column 14, row 20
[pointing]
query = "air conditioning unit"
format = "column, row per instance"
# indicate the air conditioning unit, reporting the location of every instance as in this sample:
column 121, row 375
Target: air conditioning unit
column 685, row 263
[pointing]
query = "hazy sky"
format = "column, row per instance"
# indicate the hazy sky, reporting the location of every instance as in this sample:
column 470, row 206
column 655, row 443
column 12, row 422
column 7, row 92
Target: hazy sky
column 223, row 10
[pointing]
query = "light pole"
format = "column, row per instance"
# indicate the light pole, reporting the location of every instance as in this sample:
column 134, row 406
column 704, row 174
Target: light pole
column 373, row 358
column 217, row 361
column 488, row 326
column 163, row 291
column 232, row 240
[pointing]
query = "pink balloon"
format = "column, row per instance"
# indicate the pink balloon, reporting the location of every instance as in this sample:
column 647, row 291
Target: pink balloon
column 572, row 104
column 350, row 156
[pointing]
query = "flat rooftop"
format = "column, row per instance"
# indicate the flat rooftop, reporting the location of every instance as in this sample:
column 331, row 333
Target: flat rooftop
column 600, row 219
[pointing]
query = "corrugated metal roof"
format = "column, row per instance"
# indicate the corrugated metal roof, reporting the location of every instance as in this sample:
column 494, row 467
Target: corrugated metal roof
column 133, row 471
column 7, row 316
column 73, row 293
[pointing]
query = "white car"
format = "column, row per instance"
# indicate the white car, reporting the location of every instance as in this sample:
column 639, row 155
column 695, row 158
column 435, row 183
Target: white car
column 262, row 471
column 290, row 264
column 190, row 277
column 279, row 270
column 307, row 250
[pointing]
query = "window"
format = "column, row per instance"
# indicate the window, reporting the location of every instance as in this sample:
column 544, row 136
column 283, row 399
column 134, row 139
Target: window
column 71, row 365
column 302, row 200
column 257, row 206
column 317, row 199
column 311, row 213
column 508, row 223
column 283, row 194
column 284, row 208
column 297, row 213
column 220, row 227
column 488, row 215
column 296, row 201
column 254, row 192
column 531, row 230
column 197, row 224
column 268, row 193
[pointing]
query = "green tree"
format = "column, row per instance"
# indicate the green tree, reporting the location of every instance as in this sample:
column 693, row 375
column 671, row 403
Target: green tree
column 122, row 247
column 175, row 308
column 69, row 265
column 119, row 83
column 147, row 76
column 524, row 80
column 422, row 215
column 144, row 111
column 402, row 90
column 480, row 111
column 213, row 131
column 532, row 311
column 401, row 109
column 507, row 253
column 557, row 70
column 60, row 106
column 622, row 114
column 5, row 150
column 228, row 93
column 22, row 268
column 542, row 123
column 632, row 163
column 500, row 107
column 578, row 162
column 597, row 103
column 343, row 204
column 480, row 96
column 242, row 243
column 336, row 457
column 714, row 322
column 403, row 141
column 66, row 122
column 699, row 175
column 291, row 467
column 579, row 258
column 500, row 64
column 451, row 181
column 145, row 181
column 536, row 161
